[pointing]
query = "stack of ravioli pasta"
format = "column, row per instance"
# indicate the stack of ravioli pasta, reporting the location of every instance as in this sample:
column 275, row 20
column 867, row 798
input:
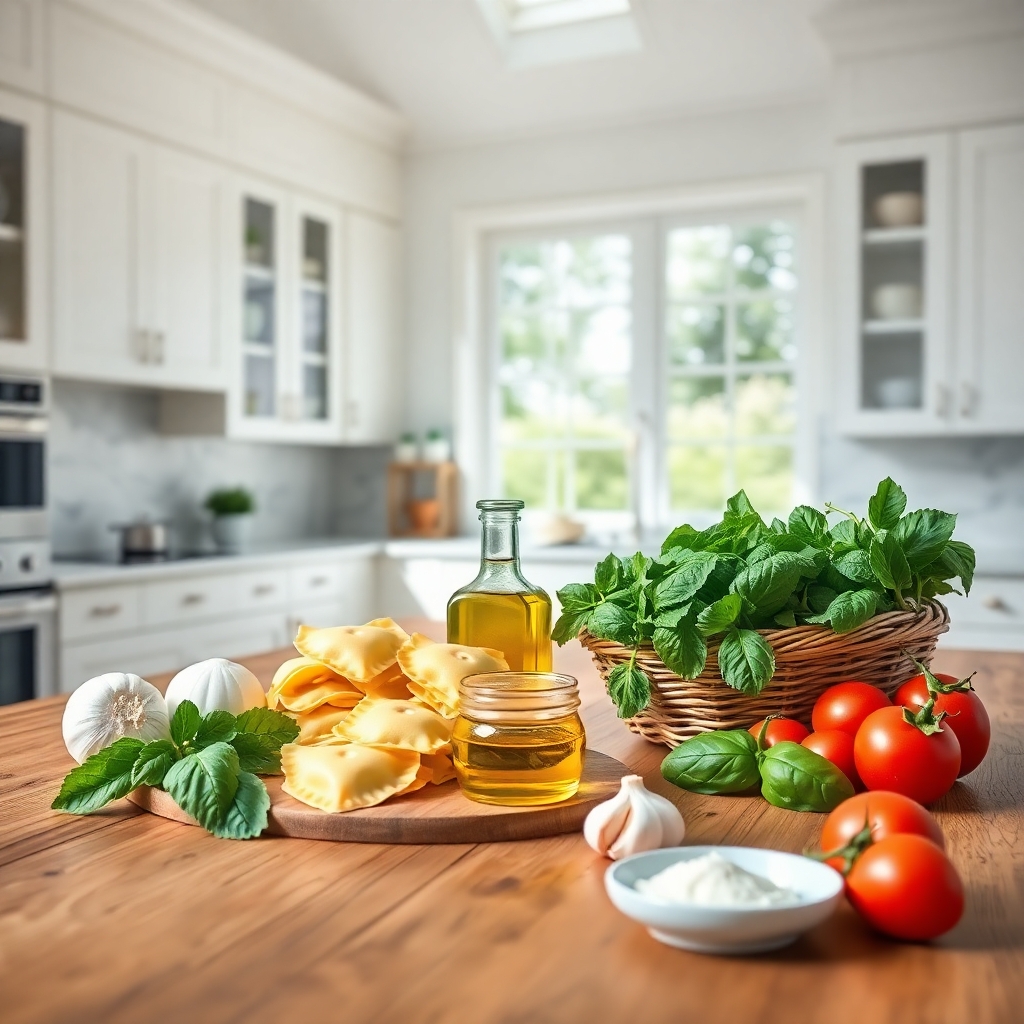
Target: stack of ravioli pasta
column 375, row 708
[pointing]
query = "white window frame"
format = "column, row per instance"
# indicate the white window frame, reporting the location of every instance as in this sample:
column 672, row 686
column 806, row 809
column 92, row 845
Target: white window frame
column 798, row 198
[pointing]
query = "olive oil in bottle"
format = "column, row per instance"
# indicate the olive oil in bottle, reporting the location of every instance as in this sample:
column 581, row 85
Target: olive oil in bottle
column 500, row 609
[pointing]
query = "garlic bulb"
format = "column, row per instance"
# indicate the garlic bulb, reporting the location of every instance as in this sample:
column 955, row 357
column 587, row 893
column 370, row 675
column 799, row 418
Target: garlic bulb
column 216, row 685
column 110, row 706
column 634, row 820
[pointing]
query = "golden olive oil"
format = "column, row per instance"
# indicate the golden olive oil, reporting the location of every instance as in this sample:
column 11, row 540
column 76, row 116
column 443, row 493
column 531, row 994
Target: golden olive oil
column 518, row 625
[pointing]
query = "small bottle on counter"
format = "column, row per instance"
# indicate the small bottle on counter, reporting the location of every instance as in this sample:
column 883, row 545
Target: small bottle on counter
column 518, row 739
column 500, row 608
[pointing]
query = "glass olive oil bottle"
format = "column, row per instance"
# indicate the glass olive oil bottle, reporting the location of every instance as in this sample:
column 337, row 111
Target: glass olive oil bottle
column 500, row 609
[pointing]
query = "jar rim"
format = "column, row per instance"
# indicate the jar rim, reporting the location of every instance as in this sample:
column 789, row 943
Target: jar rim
column 517, row 685
column 518, row 696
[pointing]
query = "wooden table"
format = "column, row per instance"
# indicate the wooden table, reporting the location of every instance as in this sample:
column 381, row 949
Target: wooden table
column 124, row 917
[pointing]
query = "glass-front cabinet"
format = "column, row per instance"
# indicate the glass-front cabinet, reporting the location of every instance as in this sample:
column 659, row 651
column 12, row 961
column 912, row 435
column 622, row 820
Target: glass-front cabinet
column 290, row 324
column 893, row 285
column 22, row 232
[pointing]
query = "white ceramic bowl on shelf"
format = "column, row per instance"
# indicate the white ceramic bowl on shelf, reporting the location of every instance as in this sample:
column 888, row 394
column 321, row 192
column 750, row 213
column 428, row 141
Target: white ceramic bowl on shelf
column 898, row 392
column 899, row 209
column 728, row 929
column 897, row 301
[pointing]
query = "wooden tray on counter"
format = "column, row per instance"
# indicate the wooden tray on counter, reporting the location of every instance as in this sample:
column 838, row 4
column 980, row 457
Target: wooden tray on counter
column 434, row 814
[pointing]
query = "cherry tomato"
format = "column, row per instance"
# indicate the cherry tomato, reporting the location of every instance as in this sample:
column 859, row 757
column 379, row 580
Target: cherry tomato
column 890, row 753
column 888, row 814
column 967, row 716
column 845, row 705
column 836, row 746
column 905, row 886
column 779, row 729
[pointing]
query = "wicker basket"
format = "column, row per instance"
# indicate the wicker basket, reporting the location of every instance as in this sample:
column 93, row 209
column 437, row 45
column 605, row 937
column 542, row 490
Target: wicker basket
column 808, row 659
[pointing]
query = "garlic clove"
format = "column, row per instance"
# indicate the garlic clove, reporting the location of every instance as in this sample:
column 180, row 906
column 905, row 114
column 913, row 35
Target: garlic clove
column 107, row 707
column 632, row 821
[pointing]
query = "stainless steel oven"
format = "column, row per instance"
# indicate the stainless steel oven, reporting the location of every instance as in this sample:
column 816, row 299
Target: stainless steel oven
column 24, row 404
column 27, row 645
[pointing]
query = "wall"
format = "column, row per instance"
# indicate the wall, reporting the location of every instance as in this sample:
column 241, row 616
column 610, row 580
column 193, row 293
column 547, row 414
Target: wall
column 109, row 464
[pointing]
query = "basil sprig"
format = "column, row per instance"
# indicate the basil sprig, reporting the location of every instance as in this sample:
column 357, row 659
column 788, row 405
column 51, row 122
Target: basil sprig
column 743, row 575
column 208, row 767
column 732, row 761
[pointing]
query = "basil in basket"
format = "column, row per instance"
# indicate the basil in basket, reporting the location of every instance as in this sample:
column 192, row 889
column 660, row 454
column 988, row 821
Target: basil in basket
column 742, row 575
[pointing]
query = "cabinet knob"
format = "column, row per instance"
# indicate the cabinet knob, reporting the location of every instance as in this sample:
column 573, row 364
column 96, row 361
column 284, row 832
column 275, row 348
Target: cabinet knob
column 191, row 599
column 263, row 589
column 158, row 347
column 995, row 603
column 103, row 611
column 143, row 350
column 969, row 399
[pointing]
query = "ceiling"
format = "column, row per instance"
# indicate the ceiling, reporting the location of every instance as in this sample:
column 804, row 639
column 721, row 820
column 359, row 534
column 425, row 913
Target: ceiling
column 436, row 61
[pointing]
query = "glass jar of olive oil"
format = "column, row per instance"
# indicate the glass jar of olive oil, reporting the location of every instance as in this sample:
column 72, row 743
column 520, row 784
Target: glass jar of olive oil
column 518, row 739
column 500, row 609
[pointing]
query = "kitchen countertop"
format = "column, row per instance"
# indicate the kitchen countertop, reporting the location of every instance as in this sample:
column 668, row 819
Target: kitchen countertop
column 124, row 917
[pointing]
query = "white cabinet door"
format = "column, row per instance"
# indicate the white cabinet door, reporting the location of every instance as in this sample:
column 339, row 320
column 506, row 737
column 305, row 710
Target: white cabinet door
column 373, row 337
column 189, row 273
column 99, row 250
column 990, row 343
column 24, row 238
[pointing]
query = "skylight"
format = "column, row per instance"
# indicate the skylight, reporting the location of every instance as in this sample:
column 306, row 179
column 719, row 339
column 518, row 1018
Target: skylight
column 532, row 32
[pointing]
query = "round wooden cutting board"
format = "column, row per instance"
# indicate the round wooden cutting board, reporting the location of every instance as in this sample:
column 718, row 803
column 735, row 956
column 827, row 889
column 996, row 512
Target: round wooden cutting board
column 434, row 814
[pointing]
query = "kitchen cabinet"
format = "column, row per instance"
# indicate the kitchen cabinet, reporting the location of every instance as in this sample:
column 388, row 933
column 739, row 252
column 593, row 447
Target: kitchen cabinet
column 23, row 232
column 930, row 312
column 373, row 289
column 289, row 374
column 989, row 361
column 138, row 260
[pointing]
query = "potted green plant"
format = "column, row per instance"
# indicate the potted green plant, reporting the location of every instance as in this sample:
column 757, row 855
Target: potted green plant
column 232, row 509
column 437, row 447
column 407, row 448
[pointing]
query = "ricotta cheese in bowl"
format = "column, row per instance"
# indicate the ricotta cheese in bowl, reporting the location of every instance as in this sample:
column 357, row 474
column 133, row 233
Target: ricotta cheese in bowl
column 712, row 881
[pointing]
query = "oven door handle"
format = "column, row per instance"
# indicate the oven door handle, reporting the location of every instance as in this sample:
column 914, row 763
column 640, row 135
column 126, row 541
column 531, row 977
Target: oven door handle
column 33, row 606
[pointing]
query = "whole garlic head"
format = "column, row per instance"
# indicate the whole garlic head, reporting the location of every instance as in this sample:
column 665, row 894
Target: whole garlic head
column 216, row 685
column 634, row 820
column 110, row 706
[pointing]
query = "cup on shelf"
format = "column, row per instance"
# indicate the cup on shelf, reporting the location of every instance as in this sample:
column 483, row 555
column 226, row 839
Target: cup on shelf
column 898, row 392
column 896, row 301
column 424, row 514
column 899, row 209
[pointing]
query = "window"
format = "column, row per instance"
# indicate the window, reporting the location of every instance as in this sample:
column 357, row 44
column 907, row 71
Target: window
column 689, row 328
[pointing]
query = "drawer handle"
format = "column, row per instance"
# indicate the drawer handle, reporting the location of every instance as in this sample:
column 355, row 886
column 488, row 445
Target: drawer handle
column 104, row 611
column 319, row 581
column 189, row 599
column 996, row 604
column 263, row 589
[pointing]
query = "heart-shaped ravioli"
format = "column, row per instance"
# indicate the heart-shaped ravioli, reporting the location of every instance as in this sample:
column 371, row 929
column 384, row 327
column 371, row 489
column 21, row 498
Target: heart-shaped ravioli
column 395, row 723
column 346, row 776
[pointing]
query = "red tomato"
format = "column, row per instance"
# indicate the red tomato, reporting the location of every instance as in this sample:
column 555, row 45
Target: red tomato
column 779, row 729
column 836, row 746
column 889, row 814
column 967, row 716
column 845, row 705
column 905, row 886
column 890, row 753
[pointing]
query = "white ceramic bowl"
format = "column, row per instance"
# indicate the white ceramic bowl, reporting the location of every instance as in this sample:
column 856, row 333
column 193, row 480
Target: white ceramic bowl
column 728, row 929
column 898, row 392
column 896, row 301
column 899, row 209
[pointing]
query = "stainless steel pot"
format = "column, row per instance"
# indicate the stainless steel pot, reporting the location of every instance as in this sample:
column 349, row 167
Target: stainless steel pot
column 143, row 539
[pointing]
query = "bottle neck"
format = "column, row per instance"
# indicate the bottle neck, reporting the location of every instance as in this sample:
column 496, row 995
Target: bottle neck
column 500, row 537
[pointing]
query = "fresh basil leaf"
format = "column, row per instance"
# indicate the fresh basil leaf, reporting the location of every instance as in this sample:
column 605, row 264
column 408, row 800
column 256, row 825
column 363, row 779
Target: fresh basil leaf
column 204, row 784
column 610, row 622
column 714, row 762
column 608, row 576
column 681, row 537
column 856, row 565
column 777, row 526
column 786, row 619
column 578, row 597
column 720, row 578
column 819, row 598
column 886, row 505
column 105, row 776
column 809, row 525
column 682, row 649
column 569, row 625
column 738, row 506
column 889, row 563
column 672, row 618
column 746, row 660
column 923, row 534
column 720, row 615
column 938, row 588
column 844, row 536
column 629, row 689
column 682, row 584
column 185, row 723
column 246, row 816
column 957, row 559
column 216, row 727
column 798, row 779
column 636, row 568
column 277, row 727
column 153, row 763
column 852, row 609
column 768, row 584
column 258, row 753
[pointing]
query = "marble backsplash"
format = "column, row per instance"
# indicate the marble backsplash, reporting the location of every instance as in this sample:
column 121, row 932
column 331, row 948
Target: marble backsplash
column 108, row 463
